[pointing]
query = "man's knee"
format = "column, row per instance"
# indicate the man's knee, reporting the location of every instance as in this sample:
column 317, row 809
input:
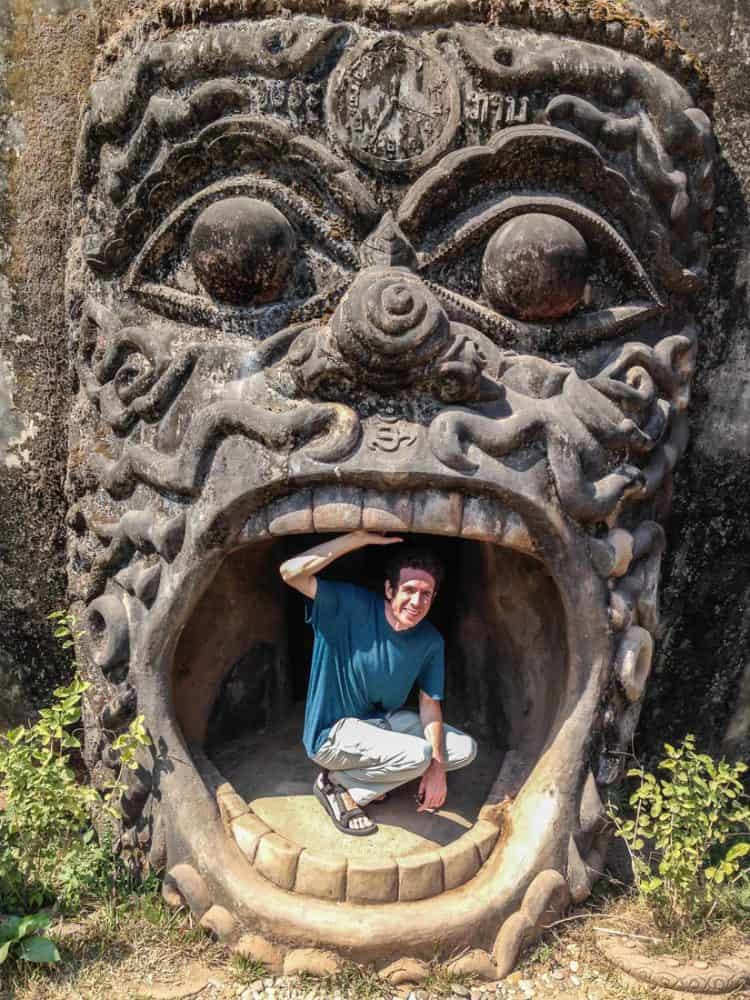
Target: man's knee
column 463, row 751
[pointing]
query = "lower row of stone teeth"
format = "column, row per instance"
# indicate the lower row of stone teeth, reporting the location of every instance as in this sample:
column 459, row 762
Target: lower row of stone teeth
column 385, row 880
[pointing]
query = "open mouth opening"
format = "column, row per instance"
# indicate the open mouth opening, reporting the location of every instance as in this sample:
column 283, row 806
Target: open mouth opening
column 240, row 681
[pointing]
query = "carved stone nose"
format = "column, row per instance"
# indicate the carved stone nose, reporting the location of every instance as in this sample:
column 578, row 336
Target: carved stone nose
column 390, row 326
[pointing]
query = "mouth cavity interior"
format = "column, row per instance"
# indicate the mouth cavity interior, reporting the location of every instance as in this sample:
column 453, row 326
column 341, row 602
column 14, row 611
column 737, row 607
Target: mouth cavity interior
column 240, row 680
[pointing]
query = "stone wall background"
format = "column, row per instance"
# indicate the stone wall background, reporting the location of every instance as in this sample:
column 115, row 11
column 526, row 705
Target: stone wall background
column 702, row 673
column 47, row 52
column 702, row 678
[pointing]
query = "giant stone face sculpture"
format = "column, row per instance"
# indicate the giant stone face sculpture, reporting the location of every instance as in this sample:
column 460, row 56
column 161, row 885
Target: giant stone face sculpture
column 426, row 270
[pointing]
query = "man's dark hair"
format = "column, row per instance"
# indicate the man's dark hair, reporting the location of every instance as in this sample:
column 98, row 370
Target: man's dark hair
column 413, row 557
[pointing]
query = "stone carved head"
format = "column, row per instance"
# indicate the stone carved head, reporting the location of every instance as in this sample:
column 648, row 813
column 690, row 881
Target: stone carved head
column 421, row 272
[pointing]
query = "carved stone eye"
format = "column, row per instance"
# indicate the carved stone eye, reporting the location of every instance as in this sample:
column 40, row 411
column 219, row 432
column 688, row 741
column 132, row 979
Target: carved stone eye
column 535, row 267
column 241, row 250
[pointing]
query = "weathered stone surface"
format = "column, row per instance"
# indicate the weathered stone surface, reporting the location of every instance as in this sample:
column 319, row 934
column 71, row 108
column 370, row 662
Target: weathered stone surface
column 460, row 862
column 185, row 881
column 420, row 876
column 276, row 858
column 290, row 270
column 292, row 515
column 219, row 922
column 372, row 881
column 475, row 963
column 405, row 971
column 44, row 70
column 484, row 835
column 260, row 949
column 231, row 804
column 333, row 511
column 438, row 513
column 248, row 830
column 381, row 513
column 321, row 876
column 313, row 961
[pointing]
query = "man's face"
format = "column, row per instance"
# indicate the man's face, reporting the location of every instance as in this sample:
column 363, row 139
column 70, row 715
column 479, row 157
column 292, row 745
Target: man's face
column 412, row 599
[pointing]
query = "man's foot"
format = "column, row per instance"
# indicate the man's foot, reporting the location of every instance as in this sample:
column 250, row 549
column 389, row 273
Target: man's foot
column 341, row 807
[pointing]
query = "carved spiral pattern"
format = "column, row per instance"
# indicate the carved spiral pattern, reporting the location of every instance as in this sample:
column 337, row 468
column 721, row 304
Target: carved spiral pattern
column 392, row 325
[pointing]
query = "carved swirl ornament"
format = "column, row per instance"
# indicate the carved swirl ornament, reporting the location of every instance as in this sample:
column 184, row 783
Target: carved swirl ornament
column 388, row 320
column 393, row 104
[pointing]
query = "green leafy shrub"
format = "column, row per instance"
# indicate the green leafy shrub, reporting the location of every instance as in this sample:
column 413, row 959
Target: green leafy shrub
column 20, row 938
column 49, row 851
column 689, row 837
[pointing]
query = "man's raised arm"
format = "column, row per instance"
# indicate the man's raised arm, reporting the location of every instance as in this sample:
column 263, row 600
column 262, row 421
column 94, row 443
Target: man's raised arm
column 299, row 571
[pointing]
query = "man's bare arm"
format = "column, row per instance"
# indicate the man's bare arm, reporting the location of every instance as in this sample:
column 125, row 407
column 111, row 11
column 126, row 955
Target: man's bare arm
column 433, row 787
column 299, row 571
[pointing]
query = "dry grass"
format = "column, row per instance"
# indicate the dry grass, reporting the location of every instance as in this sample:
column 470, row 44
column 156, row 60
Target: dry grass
column 720, row 937
column 113, row 952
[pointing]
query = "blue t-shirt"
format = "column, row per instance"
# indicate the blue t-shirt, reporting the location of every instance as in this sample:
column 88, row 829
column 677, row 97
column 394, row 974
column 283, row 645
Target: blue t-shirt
column 361, row 666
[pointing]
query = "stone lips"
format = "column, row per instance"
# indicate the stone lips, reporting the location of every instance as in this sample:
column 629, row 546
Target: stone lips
column 398, row 394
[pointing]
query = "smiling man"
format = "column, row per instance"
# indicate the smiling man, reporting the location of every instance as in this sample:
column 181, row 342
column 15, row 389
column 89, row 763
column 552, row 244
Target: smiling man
column 368, row 653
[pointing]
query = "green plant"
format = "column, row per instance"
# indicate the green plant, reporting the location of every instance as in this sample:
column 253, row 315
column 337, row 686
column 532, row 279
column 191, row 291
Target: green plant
column 20, row 938
column 49, row 851
column 688, row 837
column 247, row 970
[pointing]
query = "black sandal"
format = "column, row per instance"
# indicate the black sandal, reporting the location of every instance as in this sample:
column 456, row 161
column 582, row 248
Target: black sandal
column 341, row 821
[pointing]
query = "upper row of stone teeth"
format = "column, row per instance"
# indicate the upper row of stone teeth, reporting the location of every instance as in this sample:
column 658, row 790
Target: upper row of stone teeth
column 341, row 509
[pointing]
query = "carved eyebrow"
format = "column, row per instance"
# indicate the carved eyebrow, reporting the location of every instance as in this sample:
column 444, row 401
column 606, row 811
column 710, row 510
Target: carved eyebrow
column 454, row 178
column 232, row 141
column 277, row 49
column 596, row 229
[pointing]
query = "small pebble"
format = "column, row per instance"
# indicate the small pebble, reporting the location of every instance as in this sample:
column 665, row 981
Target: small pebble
column 575, row 980
column 460, row 991
column 476, row 993
column 574, row 966
column 558, row 974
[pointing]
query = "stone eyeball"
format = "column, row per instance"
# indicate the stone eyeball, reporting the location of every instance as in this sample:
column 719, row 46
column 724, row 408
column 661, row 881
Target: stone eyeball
column 535, row 267
column 241, row 250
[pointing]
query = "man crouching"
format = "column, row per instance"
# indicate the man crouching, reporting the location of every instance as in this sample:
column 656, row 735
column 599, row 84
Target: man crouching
column 367, row 654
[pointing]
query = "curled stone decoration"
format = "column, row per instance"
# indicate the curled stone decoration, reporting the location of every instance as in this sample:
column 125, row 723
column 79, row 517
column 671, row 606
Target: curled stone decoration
column 332, row 274
column 107, row 623
column 724, row 977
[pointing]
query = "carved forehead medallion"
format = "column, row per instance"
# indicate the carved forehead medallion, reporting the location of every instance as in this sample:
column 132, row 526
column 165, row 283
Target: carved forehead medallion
column 429, row 270
column 393, row 103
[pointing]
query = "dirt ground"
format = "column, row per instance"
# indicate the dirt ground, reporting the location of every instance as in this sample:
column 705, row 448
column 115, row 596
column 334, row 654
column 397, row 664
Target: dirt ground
column 138, row 950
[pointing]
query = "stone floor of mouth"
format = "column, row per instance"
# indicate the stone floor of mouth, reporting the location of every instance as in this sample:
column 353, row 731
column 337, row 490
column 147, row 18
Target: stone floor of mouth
column 272, row 773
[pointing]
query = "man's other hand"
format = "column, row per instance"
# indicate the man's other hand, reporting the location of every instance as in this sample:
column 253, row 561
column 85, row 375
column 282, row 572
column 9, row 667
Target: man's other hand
column 433, row 788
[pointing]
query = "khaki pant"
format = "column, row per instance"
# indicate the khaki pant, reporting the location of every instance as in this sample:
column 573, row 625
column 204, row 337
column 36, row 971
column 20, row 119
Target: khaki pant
column 374, row 757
